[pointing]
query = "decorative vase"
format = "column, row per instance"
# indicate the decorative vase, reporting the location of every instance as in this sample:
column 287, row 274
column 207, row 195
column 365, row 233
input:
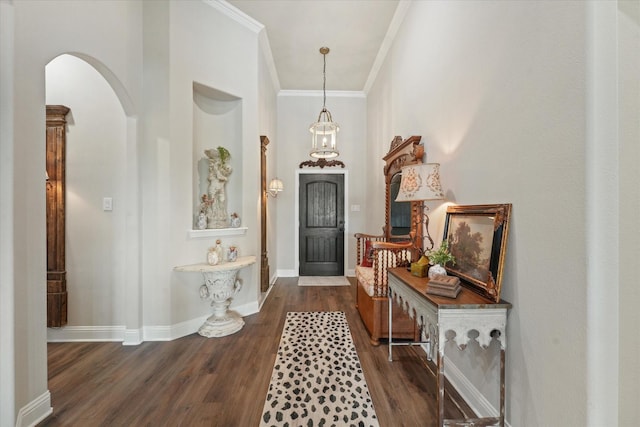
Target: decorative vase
column 437, row 270
column 202, row 221
column 212, row 257
column 232, row 254
column 219, row 251
column 235, row 221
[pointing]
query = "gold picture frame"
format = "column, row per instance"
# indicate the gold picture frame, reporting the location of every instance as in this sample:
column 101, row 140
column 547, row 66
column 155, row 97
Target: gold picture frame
column 477, row 237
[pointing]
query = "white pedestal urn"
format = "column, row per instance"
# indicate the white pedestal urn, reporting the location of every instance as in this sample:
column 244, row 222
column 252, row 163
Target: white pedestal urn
column 220, row 285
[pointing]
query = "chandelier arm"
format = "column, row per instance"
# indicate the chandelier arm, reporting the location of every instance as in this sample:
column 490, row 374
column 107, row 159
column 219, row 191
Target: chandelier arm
column 326, row 113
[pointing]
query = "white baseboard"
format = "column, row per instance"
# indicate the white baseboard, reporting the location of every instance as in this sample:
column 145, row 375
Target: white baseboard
column 35, row 411
column 86, row 333
column 137, row 336
column 293, row 273
column 467, row 391
column 287, row 273
column 132, row 337
column 476, row 401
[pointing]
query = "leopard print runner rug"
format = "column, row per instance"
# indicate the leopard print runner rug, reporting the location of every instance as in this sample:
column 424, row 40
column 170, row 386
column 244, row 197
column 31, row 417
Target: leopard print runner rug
column 317, row 379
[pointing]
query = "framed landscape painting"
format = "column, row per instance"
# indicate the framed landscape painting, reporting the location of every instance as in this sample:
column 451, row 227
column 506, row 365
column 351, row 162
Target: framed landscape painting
column 477, row 237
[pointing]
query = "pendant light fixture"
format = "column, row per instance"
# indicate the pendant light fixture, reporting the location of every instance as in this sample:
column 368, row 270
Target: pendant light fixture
column 324, row 132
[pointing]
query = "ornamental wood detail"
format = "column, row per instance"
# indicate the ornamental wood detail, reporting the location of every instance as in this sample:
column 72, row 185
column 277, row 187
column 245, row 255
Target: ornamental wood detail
column 55, row 209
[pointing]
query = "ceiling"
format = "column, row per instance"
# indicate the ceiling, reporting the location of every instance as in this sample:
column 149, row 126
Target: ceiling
column 353, row 30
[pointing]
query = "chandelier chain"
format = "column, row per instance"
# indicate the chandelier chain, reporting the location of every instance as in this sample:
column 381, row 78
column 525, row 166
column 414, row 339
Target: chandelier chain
column 324, row 82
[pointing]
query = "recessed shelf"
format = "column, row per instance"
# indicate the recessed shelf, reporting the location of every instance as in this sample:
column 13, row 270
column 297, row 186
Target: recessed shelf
column 214, row 232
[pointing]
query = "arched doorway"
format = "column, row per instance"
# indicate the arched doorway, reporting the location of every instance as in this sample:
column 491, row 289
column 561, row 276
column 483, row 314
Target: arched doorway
column 99, row 192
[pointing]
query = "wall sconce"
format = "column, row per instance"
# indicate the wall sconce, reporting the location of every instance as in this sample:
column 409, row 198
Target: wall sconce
column 275, row 186
column 419, row 183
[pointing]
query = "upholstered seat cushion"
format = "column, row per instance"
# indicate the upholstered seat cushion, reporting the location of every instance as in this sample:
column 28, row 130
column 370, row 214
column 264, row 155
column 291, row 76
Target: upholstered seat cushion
column 364, row 276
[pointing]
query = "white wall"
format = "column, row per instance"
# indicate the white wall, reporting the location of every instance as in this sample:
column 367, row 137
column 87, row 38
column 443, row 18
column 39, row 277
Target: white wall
column 95, row 155
column 537, row 104
column 268, row 86
column 296, row 111
column 118, row 56
column 498, row 92
column 154, row 165
column 629, row 154
column 194, row 58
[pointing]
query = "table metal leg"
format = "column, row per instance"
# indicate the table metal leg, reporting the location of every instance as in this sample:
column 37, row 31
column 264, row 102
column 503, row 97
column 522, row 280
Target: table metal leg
column 390, row 332
column 502, row 388
column 440, row 383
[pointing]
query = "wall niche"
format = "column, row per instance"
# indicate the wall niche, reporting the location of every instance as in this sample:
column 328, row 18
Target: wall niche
column 217, row 122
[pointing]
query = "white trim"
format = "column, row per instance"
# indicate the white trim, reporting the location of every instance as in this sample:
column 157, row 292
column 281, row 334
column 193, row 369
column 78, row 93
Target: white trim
column 132, row 337
column 320, row 94
column 235, row 14
column 265, row 48
column 602, row 215
column 213, row 232
column 35, row 411
column 137, row 336
column 266, row 295
column 471, row 395
column 251, row 24
column 296, row 236
column 86, row 333
column 394, row 26
column 287, row 273
column 7, row 207
column 465, row 388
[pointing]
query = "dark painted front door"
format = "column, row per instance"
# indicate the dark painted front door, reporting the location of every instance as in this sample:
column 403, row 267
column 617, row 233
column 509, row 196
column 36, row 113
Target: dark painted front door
column 321, row 225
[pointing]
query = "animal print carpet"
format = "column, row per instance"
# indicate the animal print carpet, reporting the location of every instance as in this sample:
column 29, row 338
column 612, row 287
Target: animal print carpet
column 317, row 379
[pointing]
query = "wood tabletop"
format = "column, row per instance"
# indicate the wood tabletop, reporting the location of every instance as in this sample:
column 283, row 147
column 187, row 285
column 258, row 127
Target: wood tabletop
column 466, row 298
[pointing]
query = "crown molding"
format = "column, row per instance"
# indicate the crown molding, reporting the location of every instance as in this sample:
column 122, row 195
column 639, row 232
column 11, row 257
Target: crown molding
column 251, row 24
column 392, row 31
column 320, row 94
column 235, row 14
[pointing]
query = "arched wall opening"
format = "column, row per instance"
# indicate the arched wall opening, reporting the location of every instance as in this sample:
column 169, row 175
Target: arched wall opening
column 101, row 165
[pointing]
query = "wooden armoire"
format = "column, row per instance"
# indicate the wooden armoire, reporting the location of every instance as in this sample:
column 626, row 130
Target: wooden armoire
column 55, row 206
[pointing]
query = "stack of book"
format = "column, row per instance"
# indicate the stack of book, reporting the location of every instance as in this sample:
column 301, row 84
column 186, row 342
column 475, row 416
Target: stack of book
column 445, row 286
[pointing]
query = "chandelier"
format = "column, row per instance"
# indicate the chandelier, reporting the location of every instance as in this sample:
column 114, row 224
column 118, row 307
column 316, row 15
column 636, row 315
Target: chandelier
column 324, row 132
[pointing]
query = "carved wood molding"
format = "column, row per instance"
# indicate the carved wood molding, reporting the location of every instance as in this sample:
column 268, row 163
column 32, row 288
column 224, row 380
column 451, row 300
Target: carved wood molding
column 264, row 259
column 321, row 163
column 402, row 153
column 56, row 212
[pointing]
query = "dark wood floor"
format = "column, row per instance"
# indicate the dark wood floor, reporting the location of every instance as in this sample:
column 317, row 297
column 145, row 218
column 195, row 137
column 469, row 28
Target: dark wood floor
column 197, row 381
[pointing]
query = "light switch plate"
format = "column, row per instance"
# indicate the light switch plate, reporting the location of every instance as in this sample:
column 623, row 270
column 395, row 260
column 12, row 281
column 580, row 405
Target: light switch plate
column 107, row 204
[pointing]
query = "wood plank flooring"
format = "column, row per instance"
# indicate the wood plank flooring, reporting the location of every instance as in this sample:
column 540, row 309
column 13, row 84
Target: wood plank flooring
column 197, row 381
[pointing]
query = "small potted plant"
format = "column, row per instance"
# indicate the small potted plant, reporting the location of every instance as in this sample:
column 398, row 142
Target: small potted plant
column 439, row 258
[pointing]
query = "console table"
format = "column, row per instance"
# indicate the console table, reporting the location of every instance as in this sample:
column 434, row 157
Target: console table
column 219, row 286
column 436, row 315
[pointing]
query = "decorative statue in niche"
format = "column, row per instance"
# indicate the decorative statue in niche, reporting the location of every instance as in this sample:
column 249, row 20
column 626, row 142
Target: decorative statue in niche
column 216, row 201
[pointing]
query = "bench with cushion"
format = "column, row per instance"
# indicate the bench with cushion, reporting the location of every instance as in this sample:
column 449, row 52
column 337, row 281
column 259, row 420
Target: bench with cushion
column 374, row 256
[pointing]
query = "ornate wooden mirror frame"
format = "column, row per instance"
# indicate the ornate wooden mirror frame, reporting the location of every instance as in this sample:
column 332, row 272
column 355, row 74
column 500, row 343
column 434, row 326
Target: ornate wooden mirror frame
column 401, row 153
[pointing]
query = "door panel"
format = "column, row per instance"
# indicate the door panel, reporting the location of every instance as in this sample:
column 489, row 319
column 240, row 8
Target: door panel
column 321, row 225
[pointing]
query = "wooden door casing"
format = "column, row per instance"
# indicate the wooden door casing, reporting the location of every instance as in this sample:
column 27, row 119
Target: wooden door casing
column 264, row 258
column 321, row 236
column 55, row 207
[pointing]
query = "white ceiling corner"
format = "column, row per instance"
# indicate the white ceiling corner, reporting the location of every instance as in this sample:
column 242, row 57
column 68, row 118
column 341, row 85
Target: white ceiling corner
column 358, row 32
